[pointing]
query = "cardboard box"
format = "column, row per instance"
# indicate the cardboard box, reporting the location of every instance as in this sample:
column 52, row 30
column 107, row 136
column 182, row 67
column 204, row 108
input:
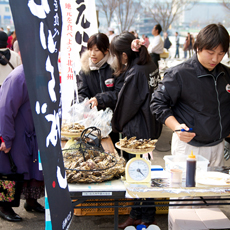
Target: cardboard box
column 197, row 219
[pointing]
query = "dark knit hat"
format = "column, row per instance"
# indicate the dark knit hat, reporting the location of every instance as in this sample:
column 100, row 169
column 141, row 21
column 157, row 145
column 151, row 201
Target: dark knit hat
column 3, row 39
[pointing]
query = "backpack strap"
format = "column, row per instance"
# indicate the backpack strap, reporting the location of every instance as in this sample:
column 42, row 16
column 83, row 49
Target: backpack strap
column 4, row 58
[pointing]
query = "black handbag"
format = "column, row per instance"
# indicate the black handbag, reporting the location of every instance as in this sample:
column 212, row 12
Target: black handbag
column 11, row 186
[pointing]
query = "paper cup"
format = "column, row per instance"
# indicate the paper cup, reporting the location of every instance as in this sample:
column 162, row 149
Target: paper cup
column 176, row 176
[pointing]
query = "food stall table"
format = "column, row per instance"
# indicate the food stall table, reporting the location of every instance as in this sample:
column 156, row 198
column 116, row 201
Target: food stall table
column 112, row 193
column 118, row 190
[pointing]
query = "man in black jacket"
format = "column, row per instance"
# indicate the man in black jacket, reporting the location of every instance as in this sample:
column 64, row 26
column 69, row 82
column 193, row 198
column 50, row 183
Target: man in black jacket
column 196, row 95
column 167, row 42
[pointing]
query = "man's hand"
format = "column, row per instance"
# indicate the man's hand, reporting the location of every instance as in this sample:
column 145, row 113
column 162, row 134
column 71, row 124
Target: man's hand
column 173, row 124
column 184, row 135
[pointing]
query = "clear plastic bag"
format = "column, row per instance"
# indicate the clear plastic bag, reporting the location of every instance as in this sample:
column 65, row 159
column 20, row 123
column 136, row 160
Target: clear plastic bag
column 82, row 113
column 103, row 121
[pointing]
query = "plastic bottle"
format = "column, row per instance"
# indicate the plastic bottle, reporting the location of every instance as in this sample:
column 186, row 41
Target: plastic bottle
column 141, row 227
column 130, row 228
column 153, row 227
column 191, row 170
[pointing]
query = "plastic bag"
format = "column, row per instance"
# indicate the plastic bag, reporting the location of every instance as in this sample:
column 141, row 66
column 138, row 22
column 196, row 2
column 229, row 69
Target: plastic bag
column 78, row 112
column 84, row 115
column 103, row 121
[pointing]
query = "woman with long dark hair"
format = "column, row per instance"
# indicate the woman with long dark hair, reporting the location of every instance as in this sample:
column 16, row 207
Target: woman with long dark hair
column 132, row 115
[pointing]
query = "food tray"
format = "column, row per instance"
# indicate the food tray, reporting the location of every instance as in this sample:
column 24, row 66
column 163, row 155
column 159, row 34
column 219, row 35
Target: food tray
column 213, row 179
column 134, row 151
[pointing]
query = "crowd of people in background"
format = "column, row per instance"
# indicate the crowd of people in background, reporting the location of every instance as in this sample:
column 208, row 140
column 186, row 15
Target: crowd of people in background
column 167, row 42
column 12, row 42
column 188, row 45
column 155, row 46
column 9, row 59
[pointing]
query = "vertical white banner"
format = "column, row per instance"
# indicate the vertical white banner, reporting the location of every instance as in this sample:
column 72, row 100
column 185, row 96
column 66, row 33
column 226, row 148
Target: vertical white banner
column 79, row 23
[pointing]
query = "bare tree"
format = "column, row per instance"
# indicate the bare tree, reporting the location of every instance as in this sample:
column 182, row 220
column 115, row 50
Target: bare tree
column 226, row 4
column 108, row 7
column 167, row 11
column 126, row 13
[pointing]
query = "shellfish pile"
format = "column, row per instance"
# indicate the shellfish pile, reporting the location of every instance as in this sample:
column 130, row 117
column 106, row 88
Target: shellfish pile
column 93, row 166
column 72, row 128
column 133, row 143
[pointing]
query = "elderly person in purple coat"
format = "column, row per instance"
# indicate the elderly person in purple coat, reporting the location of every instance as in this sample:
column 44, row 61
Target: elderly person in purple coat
column 18, row 132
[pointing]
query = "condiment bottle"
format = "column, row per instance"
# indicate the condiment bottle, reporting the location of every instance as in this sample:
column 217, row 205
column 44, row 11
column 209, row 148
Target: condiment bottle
column 190, row 170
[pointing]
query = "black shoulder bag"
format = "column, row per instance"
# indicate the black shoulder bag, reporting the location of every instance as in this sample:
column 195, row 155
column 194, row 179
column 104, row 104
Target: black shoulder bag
column 6, row 60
